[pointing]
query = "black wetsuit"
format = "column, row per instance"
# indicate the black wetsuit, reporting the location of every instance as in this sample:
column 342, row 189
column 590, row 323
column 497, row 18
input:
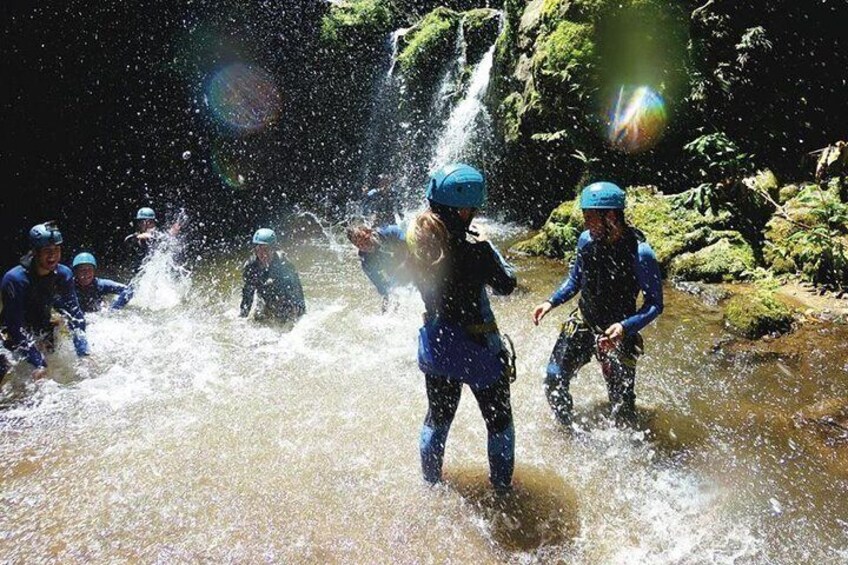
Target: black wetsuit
column 456, row 295
column 278, row 285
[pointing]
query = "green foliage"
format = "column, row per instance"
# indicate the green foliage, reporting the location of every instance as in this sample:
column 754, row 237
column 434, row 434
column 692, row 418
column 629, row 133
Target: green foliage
column 429, row 44
column 815, row 238
column 758, row 313
column 567, row 54
column 355, row 20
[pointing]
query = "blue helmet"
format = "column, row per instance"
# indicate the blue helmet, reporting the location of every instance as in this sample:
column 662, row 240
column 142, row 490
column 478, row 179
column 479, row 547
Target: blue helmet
column 457, row 186
column 602, row 196
column 84, row 258
column 265, row 236
column 145, row 214
column 42, row 235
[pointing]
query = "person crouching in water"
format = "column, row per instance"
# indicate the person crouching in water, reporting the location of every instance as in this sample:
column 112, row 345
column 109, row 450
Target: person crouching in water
column 274, row 279
column 31, row 291
column 460, row 342
column 612, row 265
column 383, row 255
column 91, row 290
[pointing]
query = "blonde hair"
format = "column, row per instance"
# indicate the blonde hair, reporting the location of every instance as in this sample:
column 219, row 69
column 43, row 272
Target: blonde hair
column 427, row 238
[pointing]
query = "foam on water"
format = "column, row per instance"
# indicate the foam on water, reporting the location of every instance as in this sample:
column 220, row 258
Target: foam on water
column 198, row 435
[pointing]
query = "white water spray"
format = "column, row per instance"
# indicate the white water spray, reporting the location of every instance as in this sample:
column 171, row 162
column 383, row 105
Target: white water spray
column 460, row 127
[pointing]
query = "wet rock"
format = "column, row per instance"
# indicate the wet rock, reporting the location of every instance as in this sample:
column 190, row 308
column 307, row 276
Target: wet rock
column 828, row 419
column 710, row 295
column 730, row 258
column 481, row 27
column 428, row 46
column 755, row 314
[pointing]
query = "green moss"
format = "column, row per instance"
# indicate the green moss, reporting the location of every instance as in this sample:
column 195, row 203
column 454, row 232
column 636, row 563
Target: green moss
column 355, row 19
column 729, row 259
column 670, row 230
column 429, row 44
column 481, row 27
column 755, row 314
column 569, row 48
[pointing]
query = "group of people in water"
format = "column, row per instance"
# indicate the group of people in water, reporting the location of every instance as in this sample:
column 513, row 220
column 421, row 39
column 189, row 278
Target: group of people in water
column 442, row 255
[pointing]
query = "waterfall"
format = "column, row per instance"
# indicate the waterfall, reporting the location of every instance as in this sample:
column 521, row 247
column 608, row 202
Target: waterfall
column 462, row 125
column 395, row 39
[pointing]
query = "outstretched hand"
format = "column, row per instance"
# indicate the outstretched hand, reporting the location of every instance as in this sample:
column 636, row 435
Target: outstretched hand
column 541, row 311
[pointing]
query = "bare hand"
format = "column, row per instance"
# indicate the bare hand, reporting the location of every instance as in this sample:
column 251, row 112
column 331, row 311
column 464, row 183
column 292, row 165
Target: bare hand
column 612, row 338
column 145, row 236
column 39, row 373
column 541, row 311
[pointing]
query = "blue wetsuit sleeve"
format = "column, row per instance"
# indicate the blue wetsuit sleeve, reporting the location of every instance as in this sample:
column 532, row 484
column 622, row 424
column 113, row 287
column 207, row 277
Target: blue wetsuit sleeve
column 13, row 292
column 501, row 275
column 247, row 292
column 393, row 234
column 69, row 305
column 371, row 264
column 650, row 281
column 571, row 285
column 124, row 293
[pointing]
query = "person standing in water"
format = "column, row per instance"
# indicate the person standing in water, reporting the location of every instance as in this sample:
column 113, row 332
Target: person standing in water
column 30, row 292
column 276, row 281
column 460, row 342
column 91, row 290
column 612, row 265
column 141, row 243
column 383, row 255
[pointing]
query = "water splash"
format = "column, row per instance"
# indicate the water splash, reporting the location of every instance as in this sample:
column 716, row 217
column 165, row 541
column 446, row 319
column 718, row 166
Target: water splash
column 162, row 282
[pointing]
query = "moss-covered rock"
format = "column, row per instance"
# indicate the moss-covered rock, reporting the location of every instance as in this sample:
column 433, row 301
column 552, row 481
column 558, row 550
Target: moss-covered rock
column 671, row 231
column 758, row 313
column 481, row 28
column 427, row 47
column 354, row 21
column 731, row 258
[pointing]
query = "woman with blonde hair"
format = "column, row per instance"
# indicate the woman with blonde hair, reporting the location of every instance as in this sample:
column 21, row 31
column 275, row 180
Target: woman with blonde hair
column 460, row 342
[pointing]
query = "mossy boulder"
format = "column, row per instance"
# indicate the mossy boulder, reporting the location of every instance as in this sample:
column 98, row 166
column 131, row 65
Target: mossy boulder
column 428, row 46
column 758, row 313
column 731, row 258
column 355, row 21
column 481, row 28
column 671, row 230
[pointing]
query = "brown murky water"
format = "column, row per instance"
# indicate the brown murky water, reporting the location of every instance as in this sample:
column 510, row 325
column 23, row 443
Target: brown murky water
column 197, row 436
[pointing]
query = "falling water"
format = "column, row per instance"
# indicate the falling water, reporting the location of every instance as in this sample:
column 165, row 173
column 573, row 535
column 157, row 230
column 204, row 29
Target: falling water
column 462, row 127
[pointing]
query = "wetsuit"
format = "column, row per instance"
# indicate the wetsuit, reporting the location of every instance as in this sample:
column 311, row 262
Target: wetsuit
column 457, row 298
column 27, row 303
column 278, row 285
column 608, row 278
column 91, row 296
column 139, row 249
column 384, row 266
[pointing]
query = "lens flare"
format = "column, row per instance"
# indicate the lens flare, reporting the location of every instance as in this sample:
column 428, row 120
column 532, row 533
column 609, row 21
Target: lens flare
column 243, row 97
column 229, row 168
column 637, row 119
